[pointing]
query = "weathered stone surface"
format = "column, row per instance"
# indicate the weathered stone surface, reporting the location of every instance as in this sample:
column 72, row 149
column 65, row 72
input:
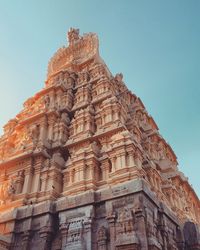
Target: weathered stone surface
column 83, row 166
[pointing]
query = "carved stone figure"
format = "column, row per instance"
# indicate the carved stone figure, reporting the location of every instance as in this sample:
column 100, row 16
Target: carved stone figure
column 124, row 221
column 46, row 101
column 102, row 234
column 7, row 189
column 34, row 134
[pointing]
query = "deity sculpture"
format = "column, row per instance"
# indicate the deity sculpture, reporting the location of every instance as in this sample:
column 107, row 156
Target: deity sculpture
column 34, row 134
column 7, row 189
column 46, row 101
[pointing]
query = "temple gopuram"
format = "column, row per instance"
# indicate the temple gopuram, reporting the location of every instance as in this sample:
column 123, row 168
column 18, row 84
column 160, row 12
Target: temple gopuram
column 84, row 167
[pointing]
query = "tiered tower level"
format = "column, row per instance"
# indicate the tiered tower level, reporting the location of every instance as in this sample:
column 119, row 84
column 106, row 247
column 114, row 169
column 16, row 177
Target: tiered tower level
column 83, row 166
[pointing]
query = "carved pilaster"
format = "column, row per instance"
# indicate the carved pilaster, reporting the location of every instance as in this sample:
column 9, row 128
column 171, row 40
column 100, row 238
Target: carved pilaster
column 46, row 236
column 102, row 238
column 63, row 231
column 111, row 221
column 51, row 121
column 140, row 224
column 36, row 184
column 43, row 131
column 28, row 179
column 88, row 232
column 19, row 181
column 106, row 168
column 25, row 240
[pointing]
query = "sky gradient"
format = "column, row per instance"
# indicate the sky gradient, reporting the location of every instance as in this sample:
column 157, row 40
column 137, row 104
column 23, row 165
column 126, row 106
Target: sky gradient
column 155, row 44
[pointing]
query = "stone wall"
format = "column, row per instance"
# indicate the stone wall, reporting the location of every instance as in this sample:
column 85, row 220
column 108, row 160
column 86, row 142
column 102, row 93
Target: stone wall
column 126, row 216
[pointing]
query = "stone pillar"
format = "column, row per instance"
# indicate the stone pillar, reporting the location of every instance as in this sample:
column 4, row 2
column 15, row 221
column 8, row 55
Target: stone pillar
column 63, row 133
column 51, row 122
column 138, row 160
column 52, row 100
column 81, row 172
column 111, row 222
column 118, row 163
column 46, row 236
column 105, row 168
column 113, row 162
column 102, row 239
column 140, row 224
column 25, row 240
column 63, row 231
column 56, row 132
column 28, row 179
column 43, row 131
column 123, row 160
column 59, row 98
column 43, row 179
column 131, row 160
column 69, row 100
column 19, row 183
column 36, row 183
column 88, row 233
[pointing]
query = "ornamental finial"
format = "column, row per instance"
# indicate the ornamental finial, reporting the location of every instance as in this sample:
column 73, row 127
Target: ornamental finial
column 73, row 35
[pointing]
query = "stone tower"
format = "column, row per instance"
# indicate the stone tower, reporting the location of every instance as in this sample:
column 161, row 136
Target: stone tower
column 83, row 166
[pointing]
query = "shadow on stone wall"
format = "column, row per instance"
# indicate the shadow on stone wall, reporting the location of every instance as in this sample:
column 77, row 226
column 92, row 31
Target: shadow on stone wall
column 192, row 236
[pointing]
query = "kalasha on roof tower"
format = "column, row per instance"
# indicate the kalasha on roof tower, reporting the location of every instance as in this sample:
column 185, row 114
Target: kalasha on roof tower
column 83, row 166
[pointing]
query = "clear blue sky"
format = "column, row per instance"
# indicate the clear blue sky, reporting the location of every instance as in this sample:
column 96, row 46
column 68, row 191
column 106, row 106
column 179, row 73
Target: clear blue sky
column 155, row 44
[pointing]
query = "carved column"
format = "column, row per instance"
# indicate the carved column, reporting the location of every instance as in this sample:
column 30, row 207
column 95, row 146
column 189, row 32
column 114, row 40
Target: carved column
column 113, row 162
column 63, row 135
column 123, row 160
column 105, row 168
column 81, row 172
column 56, row 132
column 131, row 159
column 51, row 122
column 52, row 100
column 59, row 98
column 118, row 162
column 43, row 178
column 28, row 179
column 43, row 130
column 19, row 182
column 36, row 180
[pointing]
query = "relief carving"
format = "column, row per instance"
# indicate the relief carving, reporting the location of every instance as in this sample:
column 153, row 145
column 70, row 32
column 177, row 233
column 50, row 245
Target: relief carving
column 7, row 189
column 34, row 134
column 102, row 238
column 75, row 234
column 46, row 101
column 124, row 223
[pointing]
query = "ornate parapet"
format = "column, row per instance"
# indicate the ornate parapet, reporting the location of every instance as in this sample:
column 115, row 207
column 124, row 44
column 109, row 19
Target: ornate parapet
column 80, row 50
